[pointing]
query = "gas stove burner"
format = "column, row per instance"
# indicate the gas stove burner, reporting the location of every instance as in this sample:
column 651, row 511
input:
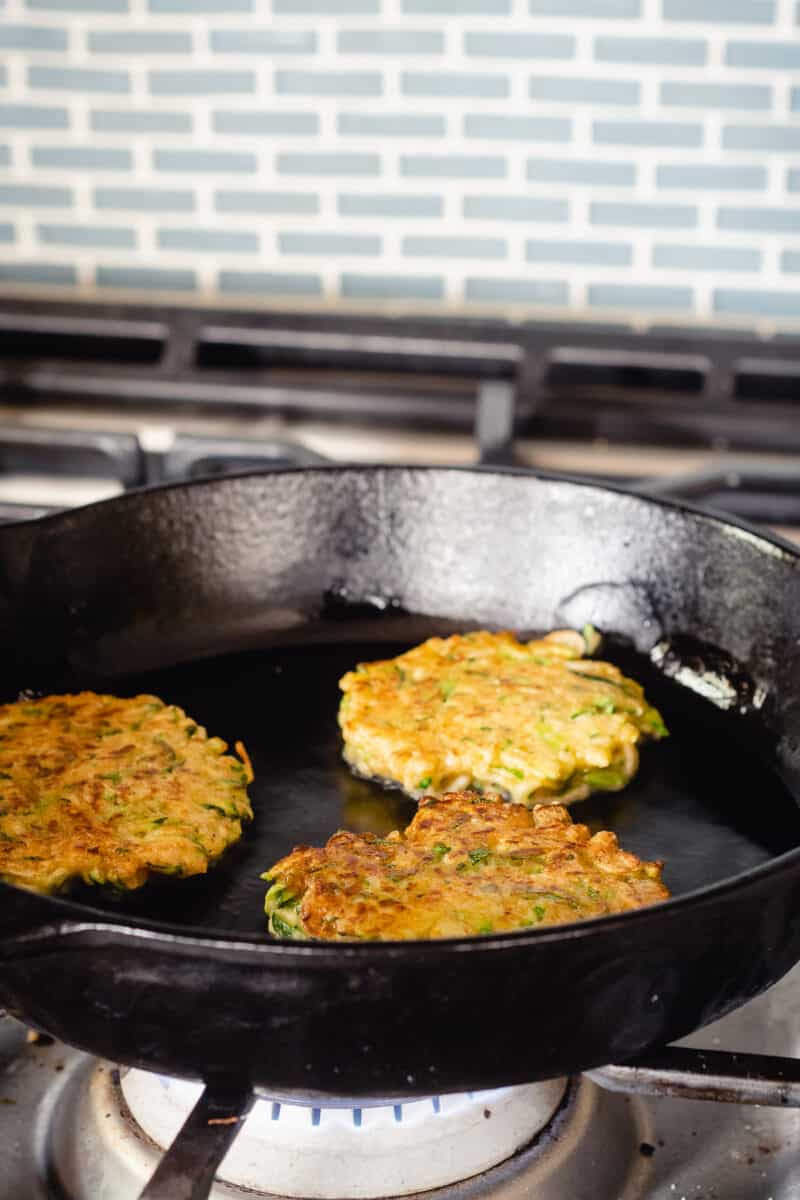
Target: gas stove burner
column 349, row 1149
column 104, row 1136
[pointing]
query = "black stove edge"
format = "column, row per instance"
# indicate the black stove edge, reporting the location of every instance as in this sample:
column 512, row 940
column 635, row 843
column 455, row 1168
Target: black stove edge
column 671, row 385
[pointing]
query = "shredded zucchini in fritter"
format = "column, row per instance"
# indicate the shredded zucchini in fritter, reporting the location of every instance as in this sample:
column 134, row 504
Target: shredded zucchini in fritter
column 108, row 790
column 466, row 865
column 534, row 721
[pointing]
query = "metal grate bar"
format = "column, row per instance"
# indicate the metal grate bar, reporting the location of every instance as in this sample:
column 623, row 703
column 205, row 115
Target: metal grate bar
column 187, row 1170
column 707, row 1075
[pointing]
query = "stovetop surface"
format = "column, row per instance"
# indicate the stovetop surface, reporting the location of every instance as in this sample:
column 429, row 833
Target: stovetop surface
column 676, row 1149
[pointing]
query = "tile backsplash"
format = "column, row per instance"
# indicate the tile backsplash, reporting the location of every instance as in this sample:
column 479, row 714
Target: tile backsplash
column 586, row 158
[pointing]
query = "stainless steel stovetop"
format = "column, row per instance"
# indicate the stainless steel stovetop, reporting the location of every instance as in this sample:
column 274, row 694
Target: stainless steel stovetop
column 67, row 1133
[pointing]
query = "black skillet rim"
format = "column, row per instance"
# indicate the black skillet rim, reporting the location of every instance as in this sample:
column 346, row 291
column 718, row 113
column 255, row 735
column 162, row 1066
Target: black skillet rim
column 83, row 919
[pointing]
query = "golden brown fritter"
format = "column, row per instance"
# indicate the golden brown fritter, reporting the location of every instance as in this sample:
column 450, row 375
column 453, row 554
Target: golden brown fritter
column 109, row 790
column 534, row 721
column 465, row 865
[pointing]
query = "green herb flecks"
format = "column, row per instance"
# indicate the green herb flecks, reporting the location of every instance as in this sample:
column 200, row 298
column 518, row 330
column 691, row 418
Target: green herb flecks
column 606, row 779
column 515, row 771
column 598, row 706
column 479, row 855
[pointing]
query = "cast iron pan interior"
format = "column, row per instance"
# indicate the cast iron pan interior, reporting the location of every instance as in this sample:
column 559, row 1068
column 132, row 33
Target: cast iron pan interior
column 708, row 812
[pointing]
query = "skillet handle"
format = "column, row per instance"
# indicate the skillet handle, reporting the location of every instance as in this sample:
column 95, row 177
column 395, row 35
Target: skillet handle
column 187, row 1170
column 716, row 1075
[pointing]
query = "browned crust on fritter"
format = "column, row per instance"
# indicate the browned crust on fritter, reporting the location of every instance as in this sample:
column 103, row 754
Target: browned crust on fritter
column 465, row 865
column 109, row 790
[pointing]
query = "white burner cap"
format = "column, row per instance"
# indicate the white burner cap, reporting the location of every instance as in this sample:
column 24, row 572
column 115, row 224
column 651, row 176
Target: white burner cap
column 343, row 1153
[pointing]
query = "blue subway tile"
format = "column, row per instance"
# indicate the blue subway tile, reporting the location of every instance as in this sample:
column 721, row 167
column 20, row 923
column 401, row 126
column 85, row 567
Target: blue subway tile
column 390, row 41
column 790, row 261
column 50, row 274
column 584, row 91
column 385, row 204
column 761, row 137
column 391, row 287
column 442, row 246
column 87, row 235
column 265, row 123
column 211, row 241
column 595, row 9
column 5, row 156
column 515, row 208
column 223, row 161
column 78, row 79
column 24, row 194
column 586, row 171
column 139, row 121
column 325, row 8
column 391, row 124
column 263, row 41
column 520, row 45
column 33, row 116
column 669, row 52
column 201, row 82
column 455, row 83
column 711, row 177
column 458, row 8
column 453, row 166
column 762, row 219
column 634, row 296
column 270, row 283
column 285, row 203
column 747, row 12
column 144, row 199
column 7, row 233
column 32, row 37
column 516, row 291
column 505, row 128
column 793, row 179
column 73, row 6
column 706, row 258
column 140, row 41
column 164, row 279
column 328, row 83
column 647, row 133
column 579, row 253
column 768, row 56
column 643, row 214
column 97, row 158
column 329, row 243
column 747, row 301
column 222, row 7
column 328, row 162
column 754, row 96
column 795, row 99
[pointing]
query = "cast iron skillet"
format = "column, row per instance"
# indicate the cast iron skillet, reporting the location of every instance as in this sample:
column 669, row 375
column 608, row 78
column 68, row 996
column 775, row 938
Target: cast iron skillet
column 263, row 589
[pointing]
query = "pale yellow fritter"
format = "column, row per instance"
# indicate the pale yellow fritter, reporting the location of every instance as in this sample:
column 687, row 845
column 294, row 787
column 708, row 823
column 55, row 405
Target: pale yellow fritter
column 534, row 721
column 109, row 790
column 465, row 865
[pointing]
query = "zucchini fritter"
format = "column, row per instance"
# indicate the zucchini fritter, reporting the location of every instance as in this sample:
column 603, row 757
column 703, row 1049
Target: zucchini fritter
column 109, row 790
column 465, row 865
column 533, row 721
